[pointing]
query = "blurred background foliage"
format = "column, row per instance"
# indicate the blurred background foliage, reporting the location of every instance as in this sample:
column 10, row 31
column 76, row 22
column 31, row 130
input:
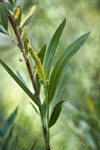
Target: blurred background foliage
column 79, row 125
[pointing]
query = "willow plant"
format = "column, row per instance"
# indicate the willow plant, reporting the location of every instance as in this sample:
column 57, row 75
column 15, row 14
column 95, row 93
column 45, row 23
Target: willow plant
column 50, row 81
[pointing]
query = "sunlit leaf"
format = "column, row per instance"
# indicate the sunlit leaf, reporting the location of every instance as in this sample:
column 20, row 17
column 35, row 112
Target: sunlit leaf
column 27, row 19
column 20, row 83
column 62, row 62
column 49, row 54
column 55, row 114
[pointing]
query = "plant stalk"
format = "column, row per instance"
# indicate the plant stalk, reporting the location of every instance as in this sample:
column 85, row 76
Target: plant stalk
column 20, row 45
column 46, row 138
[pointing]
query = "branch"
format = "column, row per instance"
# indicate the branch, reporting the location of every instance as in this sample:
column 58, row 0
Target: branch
column 20, row 45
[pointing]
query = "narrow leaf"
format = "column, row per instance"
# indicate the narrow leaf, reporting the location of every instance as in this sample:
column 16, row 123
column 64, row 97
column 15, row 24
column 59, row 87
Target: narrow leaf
column 8, row 123
column 10, row 6
column 55, row 114
column 52, row 48
column 27, row 19
column 42, row 53
column 34, row 108
column 20, row 83
column 33, row 145
column 14, row 143
column 43, row 113
column 3, row 16
column 62, row 62
column 1, row 30
column 5, row 145
column 61, row 86
column 12, row 2
column 20, row 77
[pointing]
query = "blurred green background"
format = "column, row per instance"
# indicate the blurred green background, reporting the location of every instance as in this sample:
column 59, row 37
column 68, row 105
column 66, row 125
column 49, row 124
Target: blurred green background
column 78, row 127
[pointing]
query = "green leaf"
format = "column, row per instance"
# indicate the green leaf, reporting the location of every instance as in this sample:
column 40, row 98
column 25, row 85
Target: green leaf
column 20, row 77
column 12, row 2
column 43, row 113
column 52, row 48
column 42, row 53
column 5, row 144
column 8, row 123
column 9, row 6
column 90, row 139
column 33, row 145
column 20, row 83
column 34, row 108
column 61, row 64
column 28, row 18
column 14, row 143
column 3, row 16
column 55, row 114
column 1, row 30
column 61, row 86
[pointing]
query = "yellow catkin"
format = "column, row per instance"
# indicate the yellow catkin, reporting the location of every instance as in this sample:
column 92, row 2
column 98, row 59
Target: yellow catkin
column 39, row 67
column 17, row 13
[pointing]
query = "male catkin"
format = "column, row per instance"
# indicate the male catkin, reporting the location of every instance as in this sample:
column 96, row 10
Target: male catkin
column 39, row 67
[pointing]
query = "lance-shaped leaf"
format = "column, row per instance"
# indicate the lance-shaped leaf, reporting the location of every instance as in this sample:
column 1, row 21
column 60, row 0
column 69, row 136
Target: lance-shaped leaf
column 27, row 19
column 42, row 53
column 8, row 123
column 20, row 77
column 55, row 114
column 12, row 1
column 1, row 31
column 34, row 108
column 33, row 145
column 3, row 16
column 61, row 86
column 49, row 54
column 20, row 83
column 7, row 140
column 62, row 62
column 14, row 143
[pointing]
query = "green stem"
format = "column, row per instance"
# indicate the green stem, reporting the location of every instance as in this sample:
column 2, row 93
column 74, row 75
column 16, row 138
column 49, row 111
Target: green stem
column 20, row 45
